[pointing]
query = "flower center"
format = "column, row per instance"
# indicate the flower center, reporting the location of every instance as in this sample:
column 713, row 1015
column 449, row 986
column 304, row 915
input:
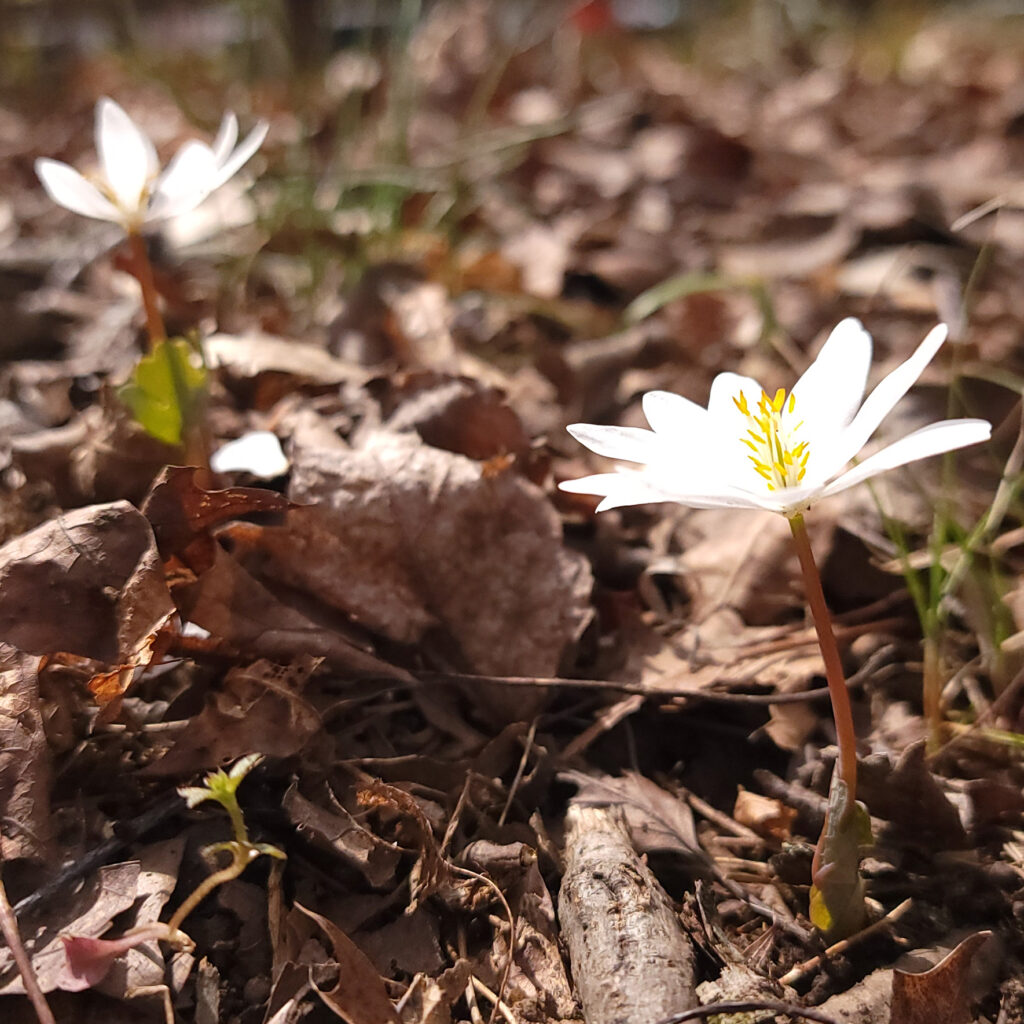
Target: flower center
column 771, row 436
column 131, row 214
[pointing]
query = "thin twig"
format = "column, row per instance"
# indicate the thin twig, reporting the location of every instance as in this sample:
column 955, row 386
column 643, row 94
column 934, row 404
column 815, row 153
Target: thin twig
column 475, row 1016
column 682, row 689
column 498, row 1004
column 719, row 818
column 125, row 833
column 801, row 971
column 467, row 873
column 9, row 927
column 745, row 1006
column 520, row 772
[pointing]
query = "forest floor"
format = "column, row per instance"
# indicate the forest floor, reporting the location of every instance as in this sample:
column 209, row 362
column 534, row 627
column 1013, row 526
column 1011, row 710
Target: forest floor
column 472, row 693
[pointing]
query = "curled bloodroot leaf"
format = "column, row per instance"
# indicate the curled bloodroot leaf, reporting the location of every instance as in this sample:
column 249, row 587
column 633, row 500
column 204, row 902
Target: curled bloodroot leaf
column 167, row 390
column 837, row 889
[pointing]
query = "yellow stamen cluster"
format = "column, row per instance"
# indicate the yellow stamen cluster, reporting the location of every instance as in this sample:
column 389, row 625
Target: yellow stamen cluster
column 777, row 457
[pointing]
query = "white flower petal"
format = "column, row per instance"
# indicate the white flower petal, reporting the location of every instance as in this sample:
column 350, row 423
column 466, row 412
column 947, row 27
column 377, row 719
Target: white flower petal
column 233, row 164
column 597, row 483
column 129, row 192
column 700, row 459
column 127, row 156
column 258, row 452
column 66, row 187
column 188, row 179
column 934, row 439
column 727, row 426
column 631, row 444
column 721, row 407
column 227, row 136
column 673, row 415
column 631, row 487
column 829, row 392
column 881, row 401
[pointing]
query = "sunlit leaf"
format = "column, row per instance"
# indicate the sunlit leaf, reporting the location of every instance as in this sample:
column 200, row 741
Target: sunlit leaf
column 167, row 390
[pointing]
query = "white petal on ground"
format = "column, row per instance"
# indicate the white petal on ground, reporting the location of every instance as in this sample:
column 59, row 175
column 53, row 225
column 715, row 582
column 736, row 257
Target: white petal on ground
column 673, row 415
column 233, row 164
column 188, row 179
column 934, row 439
column 66, row 187
column 829, row 393
column 258, row 452
column 126, row 155
column 881, row 401
column 632, row 444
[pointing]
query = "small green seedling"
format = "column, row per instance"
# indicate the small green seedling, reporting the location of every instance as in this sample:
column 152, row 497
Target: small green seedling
column 89, row 959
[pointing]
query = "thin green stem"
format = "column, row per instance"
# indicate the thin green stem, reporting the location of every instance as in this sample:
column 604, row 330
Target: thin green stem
column 142, row 270
column 841, row 709
column 932, row 680
column 241, row 856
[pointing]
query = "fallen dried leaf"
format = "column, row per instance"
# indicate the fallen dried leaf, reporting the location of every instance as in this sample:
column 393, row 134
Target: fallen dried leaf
column 656, row 819
column 359, row 997
column 235, row 607
column 430, row 869
column 25, row 766
column 111, row 891
column 260, row 707
column 336, row 830
column 183, row 514
column 407, row 537
column 941, row 995
column 88, row 583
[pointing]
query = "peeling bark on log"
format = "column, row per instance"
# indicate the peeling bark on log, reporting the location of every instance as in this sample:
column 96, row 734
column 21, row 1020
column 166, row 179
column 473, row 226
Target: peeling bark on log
column 631, row 961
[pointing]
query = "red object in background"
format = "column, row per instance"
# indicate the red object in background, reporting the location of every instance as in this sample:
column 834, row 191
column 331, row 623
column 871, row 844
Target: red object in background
column 593, row 17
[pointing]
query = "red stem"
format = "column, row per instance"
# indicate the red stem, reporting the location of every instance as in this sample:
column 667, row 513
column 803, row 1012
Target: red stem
column 143, row 272
column 841, row 709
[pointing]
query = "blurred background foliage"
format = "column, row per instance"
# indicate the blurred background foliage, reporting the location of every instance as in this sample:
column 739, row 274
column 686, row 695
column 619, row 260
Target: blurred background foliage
column 43, row 41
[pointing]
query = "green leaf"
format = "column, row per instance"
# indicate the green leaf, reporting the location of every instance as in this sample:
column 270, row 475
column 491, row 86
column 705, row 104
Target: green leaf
column 678, row 287
column 167, row 390
column 837, row 889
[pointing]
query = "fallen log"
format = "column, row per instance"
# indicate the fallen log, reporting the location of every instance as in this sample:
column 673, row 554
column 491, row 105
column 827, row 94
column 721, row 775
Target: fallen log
column 630, row 959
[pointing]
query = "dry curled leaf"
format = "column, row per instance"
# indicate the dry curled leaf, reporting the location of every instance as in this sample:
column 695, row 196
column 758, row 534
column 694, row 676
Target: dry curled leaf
column 88, row 583
column 25, row 766
column 430, row 869
column 359, row 997
column 334, row 829
column 941, row 995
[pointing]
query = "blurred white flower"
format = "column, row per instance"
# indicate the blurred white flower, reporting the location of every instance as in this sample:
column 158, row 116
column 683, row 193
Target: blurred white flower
column 778, row 452
column 129, row 187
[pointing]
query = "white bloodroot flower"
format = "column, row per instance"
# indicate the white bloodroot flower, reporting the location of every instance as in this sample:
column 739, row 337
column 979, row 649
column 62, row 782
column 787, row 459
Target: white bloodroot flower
column 129, row 187
column 778, row 452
